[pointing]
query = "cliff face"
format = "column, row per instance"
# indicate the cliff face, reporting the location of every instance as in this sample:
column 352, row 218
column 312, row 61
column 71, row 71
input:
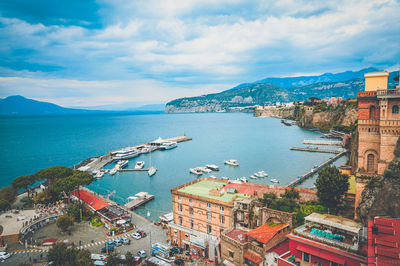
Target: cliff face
column 273, row 112
column 381, row 197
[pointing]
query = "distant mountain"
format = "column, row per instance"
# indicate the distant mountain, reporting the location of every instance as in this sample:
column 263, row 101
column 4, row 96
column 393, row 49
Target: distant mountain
column 260, row 92
column 18, row 105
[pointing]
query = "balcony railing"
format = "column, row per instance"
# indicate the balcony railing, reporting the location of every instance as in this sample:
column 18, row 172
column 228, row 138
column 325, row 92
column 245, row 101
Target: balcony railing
column 369, row 122
column 361, row 94
column 393, row 93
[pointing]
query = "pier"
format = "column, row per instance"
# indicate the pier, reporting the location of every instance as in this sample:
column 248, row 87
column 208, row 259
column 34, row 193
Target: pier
column 139, row 199
column 300, row 179
column 322, row 142
column 131, row 170
column 97, row 163
column 315, row 149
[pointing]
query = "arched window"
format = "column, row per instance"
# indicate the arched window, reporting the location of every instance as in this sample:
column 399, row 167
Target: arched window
column 395, row 109
column 370, row 163
column 372, row 111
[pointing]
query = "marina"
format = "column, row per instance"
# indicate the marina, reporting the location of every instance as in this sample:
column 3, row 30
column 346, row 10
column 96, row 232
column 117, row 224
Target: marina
column 138, row 200
column 314, row 149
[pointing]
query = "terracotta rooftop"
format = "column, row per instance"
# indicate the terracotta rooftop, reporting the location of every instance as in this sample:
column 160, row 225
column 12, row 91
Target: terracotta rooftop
column 238, row 235
column 90, row 199
column 250, row 255
column 265, row 232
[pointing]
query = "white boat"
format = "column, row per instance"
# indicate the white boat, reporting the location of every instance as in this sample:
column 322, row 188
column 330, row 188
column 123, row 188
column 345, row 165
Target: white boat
column 195, row 171
column 243, row 179
column 125, row 154
column 213, row 176
column 139, row 165
column 212, row 167
column 261, row 174
column 224, row 177
column 204, row 169
column 121, row 164
column 169, row 145
column 253, row 177
column 99, row 175
column 274, row 180
column 113, row 171
column 232, row 162
column 236, row 181
column 152, row 170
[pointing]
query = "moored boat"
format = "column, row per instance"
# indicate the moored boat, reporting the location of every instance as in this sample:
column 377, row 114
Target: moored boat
column 204, row 169
column 243, row 179
column 274, row 180
column 253, row 177
column 152, row 170
column 232, row 162
column 139, row 165
column 113, row 171
column 195, row 171
column 122, row 164
column 212, row 167
column 169, row 145
column 125, row 154
column 99, row 175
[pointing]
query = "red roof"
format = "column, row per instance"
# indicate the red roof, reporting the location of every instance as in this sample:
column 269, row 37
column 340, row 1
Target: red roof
column 254, row 257
column 265, row 232
column 322, row 254
column 238, row 235
column 90, row 199
column 50, row 240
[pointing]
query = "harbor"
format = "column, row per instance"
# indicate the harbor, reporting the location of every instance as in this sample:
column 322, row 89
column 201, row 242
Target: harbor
column 138, row 200
column 314, row 149
column 322, row 142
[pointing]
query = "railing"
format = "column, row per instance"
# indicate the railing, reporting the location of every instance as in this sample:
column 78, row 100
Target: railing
column 370, row 122
column 389, row 123
column 393, row 93
column 361, row 94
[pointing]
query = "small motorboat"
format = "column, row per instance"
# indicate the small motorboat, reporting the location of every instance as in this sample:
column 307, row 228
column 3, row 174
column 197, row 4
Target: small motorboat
column 243, row 179
column 212, row 167
column 261, row 174
column 274, row 180
column 232, row 162
column 225, row 178
column 195, row 171
column 122, row 164
column 152, row 170
column 139, row 165
column 113, row 171
column 253, row 177
column 213, row 176
column 204, row 169
column 99, row 175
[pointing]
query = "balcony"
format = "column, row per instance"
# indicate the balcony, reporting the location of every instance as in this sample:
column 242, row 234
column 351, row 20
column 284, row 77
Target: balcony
column 385, row 94
column 366, row 94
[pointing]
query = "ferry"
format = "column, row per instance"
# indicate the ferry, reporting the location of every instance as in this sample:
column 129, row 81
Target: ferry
column 139, row 165
column 113, row 171
column 212, row 167
column 232, row 162
column 152, row 171
column 169, row 145
column 195, row 171
column 125, row 154
column 274, row 180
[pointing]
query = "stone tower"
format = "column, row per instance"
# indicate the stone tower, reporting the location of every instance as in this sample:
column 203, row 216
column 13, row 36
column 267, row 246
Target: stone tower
column 378, row 127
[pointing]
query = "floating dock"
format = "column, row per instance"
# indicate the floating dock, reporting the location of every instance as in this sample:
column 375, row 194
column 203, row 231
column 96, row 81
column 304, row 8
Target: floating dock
column 300, row 179
column 139, row 199
column 322, row 142
column 314, row 149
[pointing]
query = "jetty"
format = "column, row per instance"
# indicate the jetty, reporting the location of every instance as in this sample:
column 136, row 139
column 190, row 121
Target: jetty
column 315, row 149
column 315, row 170
column 132, row 170
column 138, row 200
column 97, row 163
column 322, row 142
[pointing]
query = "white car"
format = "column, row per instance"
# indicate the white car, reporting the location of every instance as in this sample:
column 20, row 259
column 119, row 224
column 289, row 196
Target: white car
column 136, row 236
column 4, row 255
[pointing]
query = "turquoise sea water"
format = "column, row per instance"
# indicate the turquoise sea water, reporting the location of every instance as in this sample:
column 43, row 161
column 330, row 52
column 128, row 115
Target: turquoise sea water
column 29, row 144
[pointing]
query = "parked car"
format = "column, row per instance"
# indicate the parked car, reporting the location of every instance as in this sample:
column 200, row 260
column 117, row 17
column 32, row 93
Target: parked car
column 138, row 260
column 118, row 242
column 125, row 241
column 142, row 253
column 109, row 249
column 136, row 236
column 110, row 243
column 179, row 262
column 122, row 257
column 142, row 233
column 4, row 255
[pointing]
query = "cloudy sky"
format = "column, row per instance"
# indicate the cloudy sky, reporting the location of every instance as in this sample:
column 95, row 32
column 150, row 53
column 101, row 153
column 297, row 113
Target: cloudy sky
column 87, row 53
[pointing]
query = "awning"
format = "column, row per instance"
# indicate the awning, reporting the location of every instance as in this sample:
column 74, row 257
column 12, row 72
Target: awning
column 326, row 255
column 254, row 257
column 228, row 263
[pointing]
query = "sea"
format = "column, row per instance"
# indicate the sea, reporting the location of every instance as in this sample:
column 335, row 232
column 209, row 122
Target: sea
column 29, row 144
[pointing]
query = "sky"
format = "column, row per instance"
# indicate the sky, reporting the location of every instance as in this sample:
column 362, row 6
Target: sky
column 104, row 52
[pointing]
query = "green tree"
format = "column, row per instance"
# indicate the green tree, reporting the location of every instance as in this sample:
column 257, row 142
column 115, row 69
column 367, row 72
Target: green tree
column 113, row 260
column 331, row 185
column 61, row 254
column 57, row 254
column 130, row 259
column 268, row 199
column 53, row 173
column 23, row 182
column 83, row 258
column 64, row 222
column 74, row 210
column 291, row 193
column 8, row 194
column 4, row 205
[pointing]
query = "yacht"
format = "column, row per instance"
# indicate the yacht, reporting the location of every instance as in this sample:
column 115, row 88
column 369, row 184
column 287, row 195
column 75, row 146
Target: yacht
column 169, row 145
column 139, row 165
column 212, row 167
column 274, row 180
column 232, row 162
column 152, row 171
column 204, row 169
column 121, row 164
column 125, row 154
column 195, row 171
column 113, row 171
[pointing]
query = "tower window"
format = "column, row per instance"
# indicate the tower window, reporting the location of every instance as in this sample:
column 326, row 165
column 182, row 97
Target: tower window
column 372, row 111
column 395, row 109
column 370, row 163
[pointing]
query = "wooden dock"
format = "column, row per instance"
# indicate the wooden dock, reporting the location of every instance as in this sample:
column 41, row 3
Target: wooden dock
column 314, row 149
column 315, row 170
column 131, row 170
column 141, row 198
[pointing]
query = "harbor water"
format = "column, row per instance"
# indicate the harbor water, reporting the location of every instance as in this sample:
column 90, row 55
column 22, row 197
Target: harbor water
column 29, row 144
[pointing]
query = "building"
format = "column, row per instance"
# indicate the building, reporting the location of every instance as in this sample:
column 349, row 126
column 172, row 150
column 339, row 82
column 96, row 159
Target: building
column 384, row 241
column 325, row 240
column 206, row 207
column 239, row 247
column 378, row 127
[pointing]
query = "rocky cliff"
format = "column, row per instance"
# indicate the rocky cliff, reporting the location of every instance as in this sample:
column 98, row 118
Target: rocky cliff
column 381, row 197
